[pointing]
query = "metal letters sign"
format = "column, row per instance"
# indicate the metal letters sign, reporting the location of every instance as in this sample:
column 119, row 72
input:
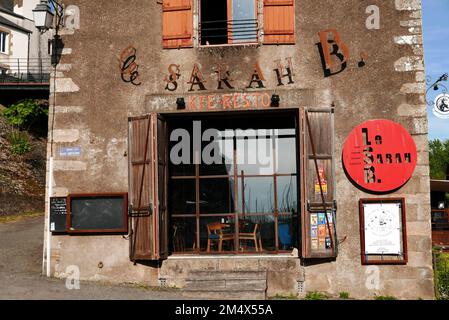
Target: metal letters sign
column 380, row 156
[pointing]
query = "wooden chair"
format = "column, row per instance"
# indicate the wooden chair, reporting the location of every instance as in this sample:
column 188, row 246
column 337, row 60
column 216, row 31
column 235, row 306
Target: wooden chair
column 253, row 236
column 215, row 233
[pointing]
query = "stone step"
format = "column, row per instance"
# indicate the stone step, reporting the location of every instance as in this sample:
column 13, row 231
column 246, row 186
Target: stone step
column 225, row 295
column 227, row 275
column 227, row 284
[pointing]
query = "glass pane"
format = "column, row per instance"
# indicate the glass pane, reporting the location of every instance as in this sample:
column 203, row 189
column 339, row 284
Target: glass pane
column 258, row 195
column 183, row 231
column 182, row 196
column 286, row 155
column 287, row 195
column 218, row 156
column 255, row 152
column 216, row 196
column 243, row 24
column 216, row 230
column 214, row 22
column 257, row 232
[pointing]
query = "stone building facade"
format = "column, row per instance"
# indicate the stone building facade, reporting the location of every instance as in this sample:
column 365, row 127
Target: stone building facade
column 362, row 60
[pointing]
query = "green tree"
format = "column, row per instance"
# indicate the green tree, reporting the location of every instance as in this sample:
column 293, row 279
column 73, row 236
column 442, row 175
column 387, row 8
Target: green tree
column 438, row 158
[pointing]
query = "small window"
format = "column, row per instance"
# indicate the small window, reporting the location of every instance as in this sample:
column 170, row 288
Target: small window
column 3, row 42
column 228, row 22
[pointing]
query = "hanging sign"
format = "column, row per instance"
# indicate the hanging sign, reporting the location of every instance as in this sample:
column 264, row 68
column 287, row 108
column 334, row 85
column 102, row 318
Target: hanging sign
column 380, row 156
column 441, row 106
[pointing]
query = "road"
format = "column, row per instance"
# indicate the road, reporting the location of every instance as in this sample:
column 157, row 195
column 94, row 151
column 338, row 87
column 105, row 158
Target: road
column 20, row 271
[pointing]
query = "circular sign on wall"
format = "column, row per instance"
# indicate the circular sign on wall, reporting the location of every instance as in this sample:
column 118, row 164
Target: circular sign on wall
column 380, row 156
column 441, row 106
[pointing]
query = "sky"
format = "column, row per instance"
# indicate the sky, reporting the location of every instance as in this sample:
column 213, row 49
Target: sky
column 436, row 53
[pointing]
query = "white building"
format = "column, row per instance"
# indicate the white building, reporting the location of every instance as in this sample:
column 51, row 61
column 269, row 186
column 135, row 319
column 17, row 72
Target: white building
column 24, row 51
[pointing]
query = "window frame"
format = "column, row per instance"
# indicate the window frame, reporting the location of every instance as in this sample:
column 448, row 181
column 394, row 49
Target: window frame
column 237, row 215
column 99, row 231
column 4, row 38
column 229, row 33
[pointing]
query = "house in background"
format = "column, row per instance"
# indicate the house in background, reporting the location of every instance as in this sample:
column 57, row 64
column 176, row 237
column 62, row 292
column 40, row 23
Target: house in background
column 24, row 53
column 440, row 213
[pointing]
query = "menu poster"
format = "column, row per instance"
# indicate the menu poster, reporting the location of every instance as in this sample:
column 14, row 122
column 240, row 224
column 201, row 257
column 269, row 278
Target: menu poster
column 382, row 228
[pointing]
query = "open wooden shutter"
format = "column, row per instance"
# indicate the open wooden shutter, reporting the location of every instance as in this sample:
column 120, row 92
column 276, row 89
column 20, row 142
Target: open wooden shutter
column 279, row 21
column 319, row 239
column 162, row 185
column 177, row 23
column 147, row 190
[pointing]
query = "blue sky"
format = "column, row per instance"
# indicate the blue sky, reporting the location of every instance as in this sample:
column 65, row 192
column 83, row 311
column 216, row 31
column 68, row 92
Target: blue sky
column 436, row 52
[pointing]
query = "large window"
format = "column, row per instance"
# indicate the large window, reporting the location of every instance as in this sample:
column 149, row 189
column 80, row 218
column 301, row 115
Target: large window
column 3, row 42
column 246, row 200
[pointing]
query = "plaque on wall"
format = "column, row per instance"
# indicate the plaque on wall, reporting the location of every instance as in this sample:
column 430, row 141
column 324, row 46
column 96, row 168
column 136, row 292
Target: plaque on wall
column 383, row 231
column 58, row 214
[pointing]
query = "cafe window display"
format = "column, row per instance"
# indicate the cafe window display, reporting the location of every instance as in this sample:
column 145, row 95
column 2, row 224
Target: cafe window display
column 247, row 200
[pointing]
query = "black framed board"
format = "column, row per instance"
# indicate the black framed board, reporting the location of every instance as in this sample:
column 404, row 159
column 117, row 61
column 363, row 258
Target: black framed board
column 58, row 214
column 97, row 213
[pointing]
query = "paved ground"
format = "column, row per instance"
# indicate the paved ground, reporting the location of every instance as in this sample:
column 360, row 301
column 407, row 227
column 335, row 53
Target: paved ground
column 20, row 271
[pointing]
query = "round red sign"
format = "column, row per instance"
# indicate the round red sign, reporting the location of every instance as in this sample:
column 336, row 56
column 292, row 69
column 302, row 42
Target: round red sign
column 380, row 156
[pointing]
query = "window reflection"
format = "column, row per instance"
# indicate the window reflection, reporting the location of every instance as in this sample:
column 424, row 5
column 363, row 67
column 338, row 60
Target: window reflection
column 287, row 194
column 257, row 195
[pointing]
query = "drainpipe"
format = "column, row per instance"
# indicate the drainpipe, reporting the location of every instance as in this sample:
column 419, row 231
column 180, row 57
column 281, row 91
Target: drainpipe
column 50, row 193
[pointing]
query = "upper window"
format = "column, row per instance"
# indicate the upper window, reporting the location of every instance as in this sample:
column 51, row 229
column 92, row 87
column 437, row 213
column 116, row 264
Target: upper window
column 227, row 22
column 3, row 42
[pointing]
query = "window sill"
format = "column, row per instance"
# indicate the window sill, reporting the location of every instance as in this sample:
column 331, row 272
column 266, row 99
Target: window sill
column 246, row 44
column 233, row 256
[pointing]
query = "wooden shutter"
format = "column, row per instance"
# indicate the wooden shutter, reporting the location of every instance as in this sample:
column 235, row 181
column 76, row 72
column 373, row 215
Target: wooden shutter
column 318, row 194
column 279, row 22
column 177, row 23
column 147, row 189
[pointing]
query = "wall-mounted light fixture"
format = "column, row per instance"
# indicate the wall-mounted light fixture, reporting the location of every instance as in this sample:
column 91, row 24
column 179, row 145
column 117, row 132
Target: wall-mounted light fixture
column 275, row 100
column 44, row 16
column 180, row 103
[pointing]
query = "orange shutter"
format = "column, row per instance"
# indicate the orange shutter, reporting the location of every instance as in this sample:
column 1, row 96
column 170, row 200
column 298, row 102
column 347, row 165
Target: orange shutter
column 279, row 21
column 177, row 23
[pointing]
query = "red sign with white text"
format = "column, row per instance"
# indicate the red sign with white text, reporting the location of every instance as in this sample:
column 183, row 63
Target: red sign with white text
column 380, row 156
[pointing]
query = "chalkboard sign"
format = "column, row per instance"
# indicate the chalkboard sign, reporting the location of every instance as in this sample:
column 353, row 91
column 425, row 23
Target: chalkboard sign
column 97, row 213
column 58, row 214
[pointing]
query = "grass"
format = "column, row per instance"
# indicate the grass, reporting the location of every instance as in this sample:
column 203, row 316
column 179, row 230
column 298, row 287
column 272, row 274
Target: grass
column 315, row 295
column 441, row 275
column 344, row 295
column 15, row 218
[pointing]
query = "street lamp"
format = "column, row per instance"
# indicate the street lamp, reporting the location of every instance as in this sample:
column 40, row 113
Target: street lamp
column 43, row 15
